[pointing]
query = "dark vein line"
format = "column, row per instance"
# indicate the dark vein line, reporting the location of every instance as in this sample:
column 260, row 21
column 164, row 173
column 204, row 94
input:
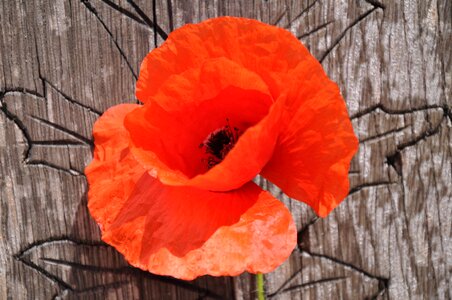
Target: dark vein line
column 347, row 265
column 64, row 238
column 128, row 270
column 307, row 285
column 279, row 17
column 369, row 185
column 343, row 33
column 63, row 129
column 20, row 90
column 121, row 52
column 303, row 230
column 169, row 7
column 390, row 111
column 429, row 132
column 301, row 13
column 125, row 12
column 376, row 4
column 45, row 164
column 154, row 27
column 103, row 287
column 118, row 270
column 39, row 65
column 159, row 30
column 304, row 35
column 380, row 135
column 72, row 101
column 45, row 273
column 23, row 129
column 281, row 288
column 58, row 143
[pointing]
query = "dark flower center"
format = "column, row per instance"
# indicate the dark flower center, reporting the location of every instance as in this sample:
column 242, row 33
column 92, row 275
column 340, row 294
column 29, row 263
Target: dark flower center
column 219, row 143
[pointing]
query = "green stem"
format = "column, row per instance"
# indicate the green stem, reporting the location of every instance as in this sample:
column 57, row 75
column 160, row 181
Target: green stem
column 260, row 286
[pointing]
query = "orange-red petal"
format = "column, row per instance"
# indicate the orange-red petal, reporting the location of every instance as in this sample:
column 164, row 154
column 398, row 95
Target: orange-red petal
column 266, row 50
column 113, row 172
column 316, row 142
column 187, row 232
column 166, row 133
column 180, row 231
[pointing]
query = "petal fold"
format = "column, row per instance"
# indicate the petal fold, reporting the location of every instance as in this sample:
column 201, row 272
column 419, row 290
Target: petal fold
column 316, row 141
column 113, row 173
column 166, row 132
column 187, row 232
column 183, row 232
column 263, row 49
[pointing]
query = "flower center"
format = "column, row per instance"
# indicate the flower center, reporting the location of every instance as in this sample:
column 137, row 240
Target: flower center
column 218, row 144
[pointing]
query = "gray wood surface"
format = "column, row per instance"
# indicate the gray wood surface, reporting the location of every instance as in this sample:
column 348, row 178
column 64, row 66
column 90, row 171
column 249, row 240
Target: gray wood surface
column 63, row 62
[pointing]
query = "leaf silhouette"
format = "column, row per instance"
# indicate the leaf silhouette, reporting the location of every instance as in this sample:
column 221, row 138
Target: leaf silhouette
column 86, row 268
column 98, row 49
column 322, row 274
column 383, row 133
column 56, row 128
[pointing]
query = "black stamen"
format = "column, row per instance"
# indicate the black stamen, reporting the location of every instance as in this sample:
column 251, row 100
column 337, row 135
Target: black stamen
column 219, row 143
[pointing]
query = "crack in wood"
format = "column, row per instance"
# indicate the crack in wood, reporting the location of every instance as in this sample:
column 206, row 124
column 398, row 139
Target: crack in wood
column 20, row 90
column 390, row 111
column 279, row 17
column 91, row 8
column 125, row 12
column 344, row 32
column 302, row 232
column 376, row 4
column 301, row 14
column 169, row 7
column 381, row 135
column 103, row 287
column 59, row 143
column 429, row 132
column 72, row 101
column 369, row 185
column 43, row 163
column 318, row 28
column 63, row 129
column 23, row 129
column 148, row 21
column 154, row 16
column 307, row 285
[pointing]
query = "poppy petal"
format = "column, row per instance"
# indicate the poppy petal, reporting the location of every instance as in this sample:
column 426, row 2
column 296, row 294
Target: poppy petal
column 166, row 133
column 113, row 173
column 316, row 142
column 186, row 232
column 264, row 49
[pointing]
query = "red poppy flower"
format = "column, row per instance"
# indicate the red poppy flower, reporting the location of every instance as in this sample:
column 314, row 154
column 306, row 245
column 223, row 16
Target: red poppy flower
column 224, row 100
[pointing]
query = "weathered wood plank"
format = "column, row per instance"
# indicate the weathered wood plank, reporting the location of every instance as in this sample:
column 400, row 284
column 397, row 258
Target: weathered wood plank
column 64, row 62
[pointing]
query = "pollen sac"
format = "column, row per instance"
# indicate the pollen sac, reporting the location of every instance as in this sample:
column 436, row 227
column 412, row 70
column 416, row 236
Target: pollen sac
column 219, row 143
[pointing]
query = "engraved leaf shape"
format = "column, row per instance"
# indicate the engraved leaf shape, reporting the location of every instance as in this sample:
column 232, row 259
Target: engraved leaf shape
column 58, row 140
column 392, row 130
column 323, row 276
column 88, row 268
column 323, row 35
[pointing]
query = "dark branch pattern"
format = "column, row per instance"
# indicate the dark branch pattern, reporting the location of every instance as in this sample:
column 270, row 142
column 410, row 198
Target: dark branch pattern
column 69, row 242
column 91, row 8
column 148, row 21
column 81, row 141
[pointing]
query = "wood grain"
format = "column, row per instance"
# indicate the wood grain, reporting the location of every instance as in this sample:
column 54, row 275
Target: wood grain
column 64, row 62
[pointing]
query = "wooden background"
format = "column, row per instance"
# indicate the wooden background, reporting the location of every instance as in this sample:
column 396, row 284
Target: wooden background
column 63, row 62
